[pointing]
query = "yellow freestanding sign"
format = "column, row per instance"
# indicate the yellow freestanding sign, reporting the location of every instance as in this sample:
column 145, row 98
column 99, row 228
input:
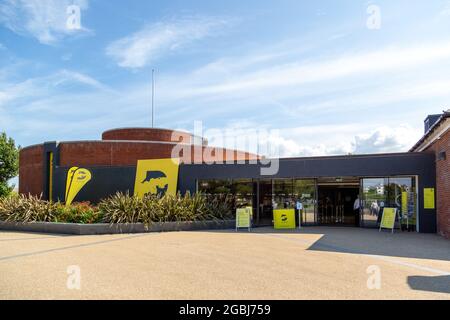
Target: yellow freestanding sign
column 243, row 218
column 388, row 219
column 158, row 176
column 76, row 180
column 428, row 194
column 284, row 218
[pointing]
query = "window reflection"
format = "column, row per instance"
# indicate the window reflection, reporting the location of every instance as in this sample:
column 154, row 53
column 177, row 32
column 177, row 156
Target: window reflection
column 396, row 192
column 305, row 192
column 273, row 194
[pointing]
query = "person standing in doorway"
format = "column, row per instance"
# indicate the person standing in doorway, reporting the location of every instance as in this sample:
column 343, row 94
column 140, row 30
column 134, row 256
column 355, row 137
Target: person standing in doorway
column 356, row 209
column 299, row 211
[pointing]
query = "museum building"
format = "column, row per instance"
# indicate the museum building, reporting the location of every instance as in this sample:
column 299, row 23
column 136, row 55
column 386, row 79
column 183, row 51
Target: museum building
column 349, row 190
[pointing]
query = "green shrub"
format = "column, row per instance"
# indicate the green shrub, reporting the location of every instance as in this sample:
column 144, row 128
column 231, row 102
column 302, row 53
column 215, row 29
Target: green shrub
column 21, row 208
column 220, row 206
column 26, row 209
column 119, row 208
column 77, row 213
column 9, row 163
column 123, row 208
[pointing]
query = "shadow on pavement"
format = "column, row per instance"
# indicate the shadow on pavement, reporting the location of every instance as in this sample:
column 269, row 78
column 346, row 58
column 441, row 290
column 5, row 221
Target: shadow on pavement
column 372, row 242
column 365, row 241
column 439, row 284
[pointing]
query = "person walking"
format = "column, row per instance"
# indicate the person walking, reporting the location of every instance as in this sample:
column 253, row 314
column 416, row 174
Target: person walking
column 356, row 209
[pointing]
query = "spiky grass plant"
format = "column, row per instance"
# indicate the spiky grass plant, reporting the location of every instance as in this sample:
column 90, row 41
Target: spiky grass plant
column 24, row 208
column 122, row 208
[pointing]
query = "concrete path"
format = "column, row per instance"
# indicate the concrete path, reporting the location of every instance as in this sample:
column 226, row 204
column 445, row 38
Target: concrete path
column 315, row 263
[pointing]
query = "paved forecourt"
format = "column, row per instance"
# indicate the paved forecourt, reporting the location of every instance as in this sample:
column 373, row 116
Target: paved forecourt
column 314, row 263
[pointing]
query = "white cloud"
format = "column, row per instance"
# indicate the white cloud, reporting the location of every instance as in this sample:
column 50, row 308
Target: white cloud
column 445, row 11
column 298, row 73
column 64, row 76
column 340, row 141
column 41, row 87
column 155, row 40
column 386, row 139
column 46, row 20
column 313, row 140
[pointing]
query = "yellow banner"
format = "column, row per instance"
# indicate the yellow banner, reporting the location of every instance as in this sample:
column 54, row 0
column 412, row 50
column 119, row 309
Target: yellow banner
column 388, row 219
column 429, row 202
column 284, row 218
column 159, row 176
column 243, row 218
column 404, row 202
column 69, row 180
column 76, row 180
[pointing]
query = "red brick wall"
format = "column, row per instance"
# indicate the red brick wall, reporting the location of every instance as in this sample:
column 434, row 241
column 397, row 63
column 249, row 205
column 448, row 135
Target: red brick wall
column 122, row 153
column 442, row 184
column 146, row 134
column 31, row 167
column 114, row 151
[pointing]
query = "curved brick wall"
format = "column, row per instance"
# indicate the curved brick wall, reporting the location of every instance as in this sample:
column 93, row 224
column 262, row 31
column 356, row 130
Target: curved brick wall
column 119, row 147
column 31, row 166
column 127, row 153
column 149, row 134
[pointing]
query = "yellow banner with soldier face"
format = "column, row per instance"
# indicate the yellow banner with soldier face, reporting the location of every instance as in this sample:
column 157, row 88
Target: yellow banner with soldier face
column 158, row 176
column 76, row 180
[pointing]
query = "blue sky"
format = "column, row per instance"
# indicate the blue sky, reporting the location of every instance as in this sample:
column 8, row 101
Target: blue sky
column 314, row 71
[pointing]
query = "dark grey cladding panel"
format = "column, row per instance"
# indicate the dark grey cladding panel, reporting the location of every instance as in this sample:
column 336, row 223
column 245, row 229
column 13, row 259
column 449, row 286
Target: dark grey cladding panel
column 417, row 164
column 105, row 181
column 363, row 166
column 109, row 180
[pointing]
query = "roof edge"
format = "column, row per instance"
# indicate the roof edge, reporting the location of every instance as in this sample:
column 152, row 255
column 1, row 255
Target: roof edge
column 443, row 117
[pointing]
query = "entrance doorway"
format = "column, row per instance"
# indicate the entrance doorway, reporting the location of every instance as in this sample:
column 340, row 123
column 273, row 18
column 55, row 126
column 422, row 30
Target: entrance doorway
column 336, row 199
column 265, row 203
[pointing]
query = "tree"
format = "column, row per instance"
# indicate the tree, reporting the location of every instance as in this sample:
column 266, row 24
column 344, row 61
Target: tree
column 9, row 163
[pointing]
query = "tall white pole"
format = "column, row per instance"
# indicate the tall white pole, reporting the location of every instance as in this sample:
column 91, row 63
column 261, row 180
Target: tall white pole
column 153, row 96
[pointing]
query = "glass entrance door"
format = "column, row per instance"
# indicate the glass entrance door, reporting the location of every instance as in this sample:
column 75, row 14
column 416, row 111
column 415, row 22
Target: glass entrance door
column 392, row 192
column 374, row 198
column 305, row 193
column 265, row 203
column 287, row 194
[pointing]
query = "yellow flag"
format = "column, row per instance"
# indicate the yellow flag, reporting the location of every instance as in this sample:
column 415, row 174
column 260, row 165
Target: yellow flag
column 79, row 178
column 69, row 179
column 158, row 176
column 404, row 202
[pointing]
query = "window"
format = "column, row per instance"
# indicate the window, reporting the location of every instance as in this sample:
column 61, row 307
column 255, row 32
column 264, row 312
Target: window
column 395, row 192
column 305, row 191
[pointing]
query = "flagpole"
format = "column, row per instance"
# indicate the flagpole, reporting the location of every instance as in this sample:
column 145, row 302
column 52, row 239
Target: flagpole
column 153, row 96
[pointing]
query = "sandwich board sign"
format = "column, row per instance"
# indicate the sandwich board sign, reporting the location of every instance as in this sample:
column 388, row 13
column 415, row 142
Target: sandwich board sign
column 284, row 218
column 388, row 219
column 243, row 218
